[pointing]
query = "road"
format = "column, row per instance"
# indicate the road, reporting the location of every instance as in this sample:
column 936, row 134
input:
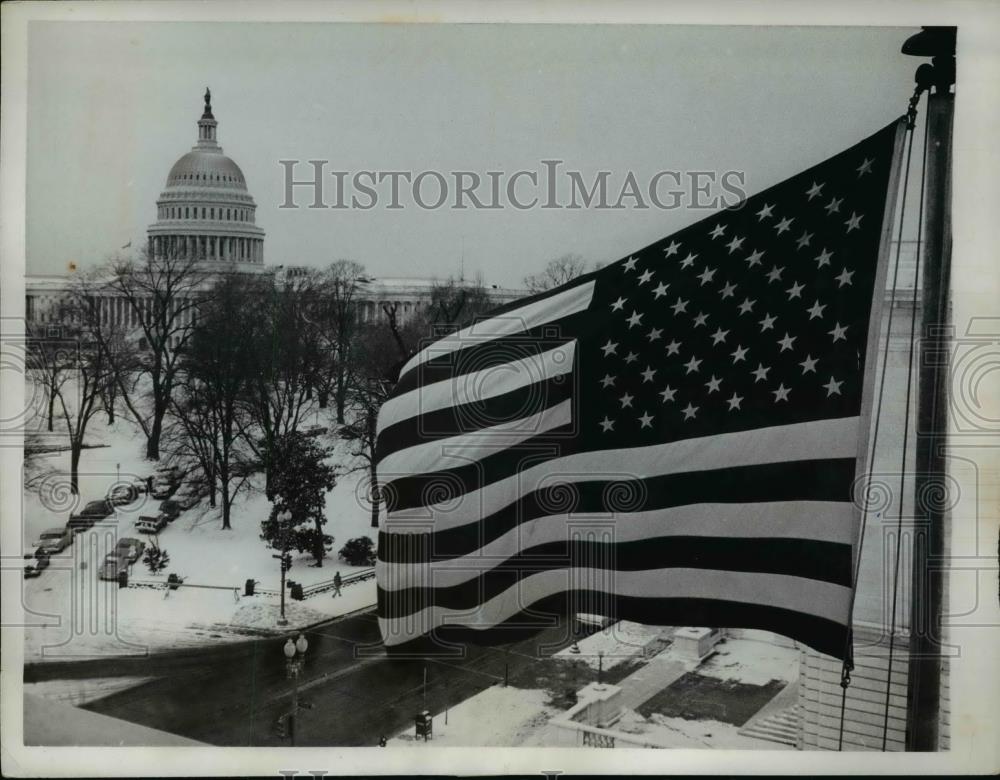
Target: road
column 233, row 694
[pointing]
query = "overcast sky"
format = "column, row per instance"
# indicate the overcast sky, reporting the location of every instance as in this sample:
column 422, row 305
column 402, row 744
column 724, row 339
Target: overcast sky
column 112, row 106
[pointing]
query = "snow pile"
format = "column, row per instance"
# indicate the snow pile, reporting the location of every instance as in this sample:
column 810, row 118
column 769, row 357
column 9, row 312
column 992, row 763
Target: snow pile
column 80, row 691
column 618, row 642
column 496, row 717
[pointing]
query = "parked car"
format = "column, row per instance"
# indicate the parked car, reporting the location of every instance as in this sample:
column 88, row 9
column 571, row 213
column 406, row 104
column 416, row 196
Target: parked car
column 98, row 510
column 164, row 484
column 131, row 548
column 54, row 540
column 147, row 524
column 188, row 495
column 315, row 430
column 35, row 569
column 126, row 494
column 79, row 523
column 171, row 509
column 114, row 562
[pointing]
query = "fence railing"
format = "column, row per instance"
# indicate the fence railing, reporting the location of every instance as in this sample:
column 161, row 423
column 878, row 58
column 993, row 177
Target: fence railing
column 315, row 589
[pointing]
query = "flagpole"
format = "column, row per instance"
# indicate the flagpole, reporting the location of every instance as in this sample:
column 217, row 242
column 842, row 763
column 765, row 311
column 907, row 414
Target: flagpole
column 924, row 672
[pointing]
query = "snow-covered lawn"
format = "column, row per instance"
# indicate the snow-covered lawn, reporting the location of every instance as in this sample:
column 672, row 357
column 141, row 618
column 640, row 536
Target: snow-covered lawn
column 495, row 717
column 753, row 659
column 87, row 616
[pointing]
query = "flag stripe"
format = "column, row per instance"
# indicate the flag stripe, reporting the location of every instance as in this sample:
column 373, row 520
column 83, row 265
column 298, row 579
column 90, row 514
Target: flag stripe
column 797, row 594
column 477, row 385
column 771, row 483
column 471, row 447
column 455, row 420
column 825, row 635
column 491, row 484
column 485, row 577
column 548, row 309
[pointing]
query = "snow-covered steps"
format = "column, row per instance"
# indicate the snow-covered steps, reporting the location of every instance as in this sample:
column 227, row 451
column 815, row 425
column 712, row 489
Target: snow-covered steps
column 782, row 727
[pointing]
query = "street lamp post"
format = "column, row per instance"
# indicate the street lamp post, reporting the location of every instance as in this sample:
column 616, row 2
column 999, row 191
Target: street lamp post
column 284, row 518
column 295, row 656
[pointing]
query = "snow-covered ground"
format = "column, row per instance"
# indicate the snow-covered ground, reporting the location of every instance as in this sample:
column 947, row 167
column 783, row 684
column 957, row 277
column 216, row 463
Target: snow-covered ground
column 496, row 717
column 753, row 659
column 613, row 644
column 71, row 613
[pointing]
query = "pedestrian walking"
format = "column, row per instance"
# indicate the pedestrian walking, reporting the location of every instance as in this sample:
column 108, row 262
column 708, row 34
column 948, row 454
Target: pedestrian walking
column 336, row 584
column 149, row 484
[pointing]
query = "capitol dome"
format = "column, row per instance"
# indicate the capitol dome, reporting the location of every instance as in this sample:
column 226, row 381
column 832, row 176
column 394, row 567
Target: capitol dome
column 205, row 212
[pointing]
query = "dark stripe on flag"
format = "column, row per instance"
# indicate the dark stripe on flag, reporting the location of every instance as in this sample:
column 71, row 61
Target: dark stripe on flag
column 468, row 418
column 808, row 480
column 825, row 636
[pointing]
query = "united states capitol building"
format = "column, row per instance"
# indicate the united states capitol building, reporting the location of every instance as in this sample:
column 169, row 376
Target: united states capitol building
column 206, row 213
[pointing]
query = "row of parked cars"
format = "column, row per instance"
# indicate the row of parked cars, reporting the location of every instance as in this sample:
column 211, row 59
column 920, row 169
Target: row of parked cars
column 165, row 483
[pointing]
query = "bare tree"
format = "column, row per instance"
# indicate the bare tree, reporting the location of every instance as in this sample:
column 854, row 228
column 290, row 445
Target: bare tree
column 161, row 297
column 556, row 273
column 51, row 357
column 337, row 316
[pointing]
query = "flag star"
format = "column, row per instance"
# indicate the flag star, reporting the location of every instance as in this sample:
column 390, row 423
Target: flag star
column 609, row 348
column 784, row 225
column 781, row 394
column 673, row 347
column 774, row 274
column 728, row 290
column 689, row 260
column 690, row 411
column 668, row 393
column 734, row 402
column 816, row 310
column 692, row 365
column 617, row 305
column 808, row 365
column 804, row 240
column 706, row 275
column 654, row 334
column 608, row 381
column 844, row 278
column 761, row 372
column 626, row 400
column 823, row 258
column 635, row 319
column 735, row 244
column 754, row 258
column 838, row 333
column 765, row 212
column 747, row 306
column 833, row 206
column 700, row 319
column 645, row 276
column 786, row 342
column 680, row 306
column 718, row 230
column 671, row 250
column 767, row 323
column 719, row 336
column 813, row 191
column 795, row 291
column 646, row 421
column 865, row 167
column 854, row 222
column 607, row 425
column 647, row 375
column 713, row 384
column 631, row 357
column 630, row 264
column 660, row 290
column 740, row 353
column 833, row 387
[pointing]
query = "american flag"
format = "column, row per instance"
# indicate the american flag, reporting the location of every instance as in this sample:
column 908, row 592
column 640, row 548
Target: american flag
column 672, row 439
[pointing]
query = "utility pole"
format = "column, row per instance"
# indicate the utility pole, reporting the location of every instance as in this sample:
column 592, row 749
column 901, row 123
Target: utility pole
column 924, row 674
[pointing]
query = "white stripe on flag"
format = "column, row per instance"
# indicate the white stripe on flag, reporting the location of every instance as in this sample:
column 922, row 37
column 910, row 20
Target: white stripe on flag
column 477, row 385
column 470, row 447
column 822, row 521
column 760, row 446
column 555, row 307
column 779, row 591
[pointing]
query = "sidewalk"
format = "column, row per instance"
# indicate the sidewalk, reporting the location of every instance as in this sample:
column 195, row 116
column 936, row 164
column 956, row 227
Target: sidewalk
column 652, row 677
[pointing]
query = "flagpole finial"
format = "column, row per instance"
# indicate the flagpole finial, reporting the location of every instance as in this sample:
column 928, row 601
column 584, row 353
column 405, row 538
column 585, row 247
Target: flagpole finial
column 938, row 43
